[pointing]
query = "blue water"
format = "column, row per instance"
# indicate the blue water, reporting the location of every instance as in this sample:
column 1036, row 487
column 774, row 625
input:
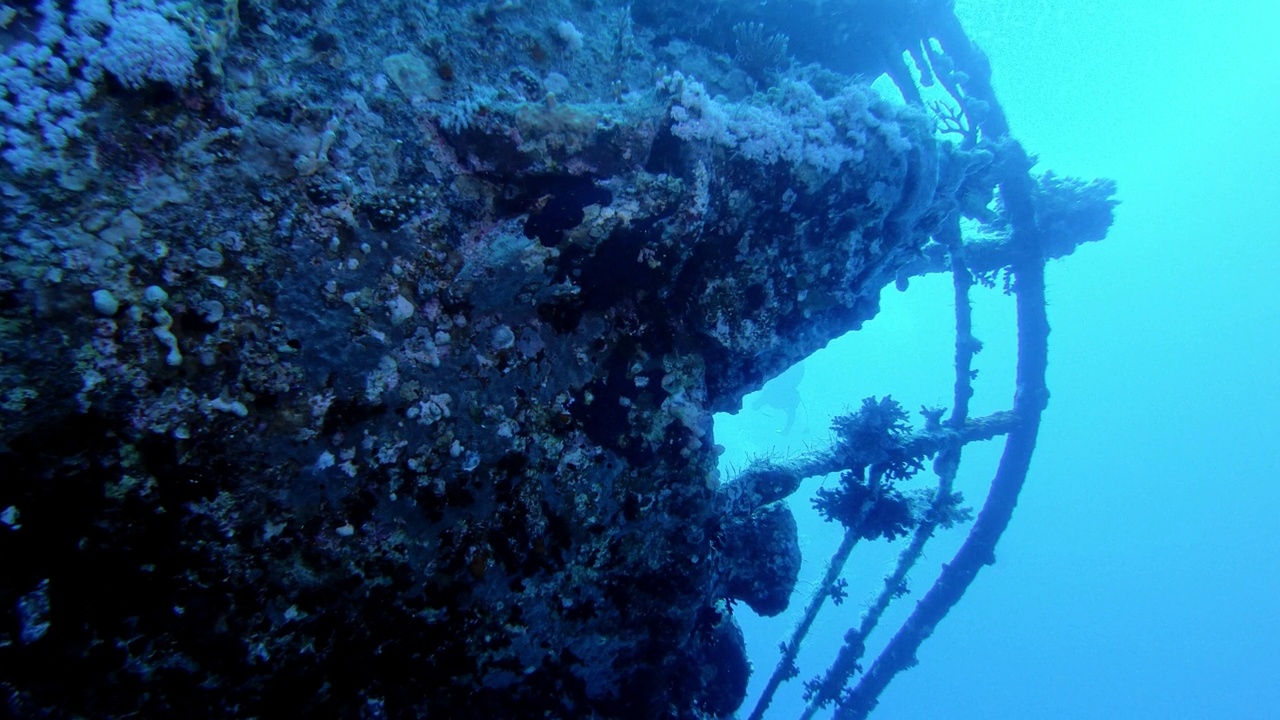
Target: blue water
column 1140, row 577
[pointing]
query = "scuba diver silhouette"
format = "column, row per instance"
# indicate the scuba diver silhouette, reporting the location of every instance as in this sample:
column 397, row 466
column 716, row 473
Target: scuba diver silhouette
column 782, row 393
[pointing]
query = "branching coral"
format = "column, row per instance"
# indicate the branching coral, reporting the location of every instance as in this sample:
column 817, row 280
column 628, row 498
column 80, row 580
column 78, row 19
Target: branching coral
column 878, row 436
column 873, row 512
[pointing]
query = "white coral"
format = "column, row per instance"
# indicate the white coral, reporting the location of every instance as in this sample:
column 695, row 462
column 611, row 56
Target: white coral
column 146, row 46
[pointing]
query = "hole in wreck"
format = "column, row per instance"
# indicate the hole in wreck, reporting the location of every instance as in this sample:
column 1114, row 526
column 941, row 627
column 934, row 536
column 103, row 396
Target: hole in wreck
column 555, row 203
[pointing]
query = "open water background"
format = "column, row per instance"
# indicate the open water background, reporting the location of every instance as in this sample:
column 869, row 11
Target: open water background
column 1140, row 577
